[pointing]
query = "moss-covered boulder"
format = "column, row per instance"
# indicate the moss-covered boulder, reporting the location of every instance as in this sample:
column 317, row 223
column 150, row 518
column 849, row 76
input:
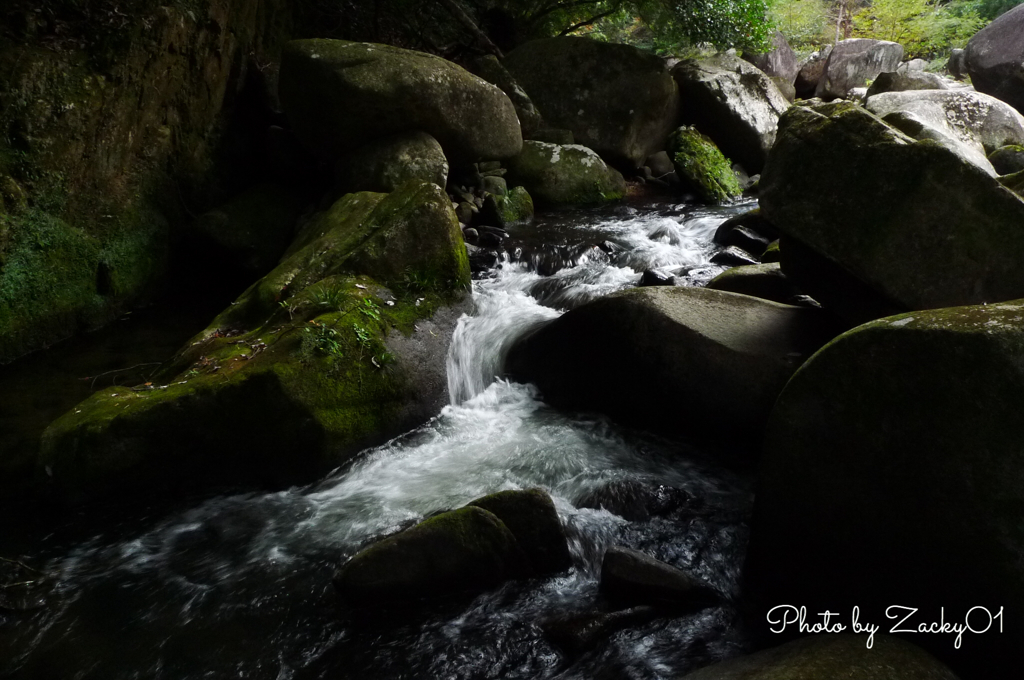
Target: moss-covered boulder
column 819, row 657
column 891, row 475
column 340, row 95
column 679, row 360
column 459, row 551
column 531, row 517
column 732, row 102
column 912, row 221
column 702, row 167
column 565, row 175
column 387, row 163
column 341, row 346
column 765, row 281
column 616, row 99
column 510, row 208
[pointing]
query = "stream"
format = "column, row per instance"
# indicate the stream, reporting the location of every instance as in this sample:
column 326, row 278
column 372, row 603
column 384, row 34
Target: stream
column 239, row 585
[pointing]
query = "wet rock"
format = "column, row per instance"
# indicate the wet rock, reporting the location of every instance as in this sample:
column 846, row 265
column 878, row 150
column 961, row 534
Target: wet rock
column 465, row 550
column 901, row 81
column 853, row 62
column 339, row 95
column 465, row 211
column 765, row 281
column 660, row 164
column 733, row 103
column 565, row 175
column 580, row 633
column 831, row 656
column 779, row 62
column 719, row 358
column 995, row 58
column 470, row 235
column 898, row 444
column 810, row 73
column 531, row 517
column 731, row 256
column 493, row 185
column 631, row 577
column 490, row 239
column 753, row 220
column 387, row 163
column 514, row 207
column 617, row 100
column 746, row 239
column 481, row 259
column 657, row 277
column 1008, row 159
column 553, row 136
column 701, row 166
column 493, row 71
column 636, row 501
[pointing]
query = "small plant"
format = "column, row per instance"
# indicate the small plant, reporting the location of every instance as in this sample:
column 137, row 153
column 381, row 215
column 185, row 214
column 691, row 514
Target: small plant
column 290, row 307
column 321, row 340
column 370, row 309
column 327, row 294
column 416, row 282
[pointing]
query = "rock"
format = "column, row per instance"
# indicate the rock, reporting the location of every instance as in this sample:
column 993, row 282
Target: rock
column 853, row 62
column 617, row 100
column 660, row 164
column 553, row 136
column 786, row 88
column 733, row 103
column 731, row 256
column 494, row 185
column 746, row 239
column 481, row 259
column 891, row 465
column 1014, row 183
column 465, row 550
column 957, row 64
column 565, row 175
column 753, row 220
column 810, row 73
column 906, row 80
column 630, row 577
column 531, row 517
column 464, row 212
column 253, row 229
column 995, row 58
column 913, row 66
column 493, row 71
column 657, row 277
column 1007, row 160
column 970, row 124
column 702, row 167
column 911, row 220
column 719, row 358
column 780, row 62
column 514, row 207
column 307, row 367
column 386, row 164
column 582, row 632
column 765, row 281
column 772, row 253
column 340, row 95
column 635, row 501
column 831, row 656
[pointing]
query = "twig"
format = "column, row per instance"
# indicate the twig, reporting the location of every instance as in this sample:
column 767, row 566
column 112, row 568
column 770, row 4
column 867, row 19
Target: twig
column 22, row 565
column 92, row 386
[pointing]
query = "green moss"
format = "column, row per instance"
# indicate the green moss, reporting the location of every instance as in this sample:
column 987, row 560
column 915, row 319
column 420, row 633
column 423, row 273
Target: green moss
column 700, row 164
column 510, row 208
column 565, row 175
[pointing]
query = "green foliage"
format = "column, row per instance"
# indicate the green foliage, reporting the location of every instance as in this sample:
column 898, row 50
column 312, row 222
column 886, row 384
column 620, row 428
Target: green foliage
column 990, row 9
column 807, row 24
column 923, row 27
column 319, row 339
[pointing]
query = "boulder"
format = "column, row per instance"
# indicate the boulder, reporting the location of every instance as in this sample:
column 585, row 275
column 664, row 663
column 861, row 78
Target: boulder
column 531, row 517
column 892, row 466
column 578, row 633
column 733, row 256
column 340, row 347
column 957, row 64
column 753, row 220
column 701, row 166
column 747, row 239
column 765, row 281
column 853, row 62
column 677, row 360
column 970, row 124
column 636, row 501
column 817, row 657
column 630, row 577
column 493, row 71
column 565, row 175
column 616, row 99
column 912, row 220
column 340, row 95
column 914, row 65
column 811, row 70
column 994, row 58
column 732, row 102
column 514, row 207
column 901, row 81
column 1008, row 159
column 387, row 163
column 779, row 62
column 460, row 551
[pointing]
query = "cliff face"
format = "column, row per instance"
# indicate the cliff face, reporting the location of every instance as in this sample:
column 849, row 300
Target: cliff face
column 112, row 123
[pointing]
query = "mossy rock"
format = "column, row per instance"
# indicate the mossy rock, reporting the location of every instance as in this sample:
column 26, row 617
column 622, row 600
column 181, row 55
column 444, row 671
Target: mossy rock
column 511, row 208
column 531, row 517
column 773, row 253
column 1014, row 182
column 386, row 164
column 1007, row 160
column 340, row 95
column 892, row 465
column 765, row 281
column 568, row 175
column 702, row 167
column 464, row 550
column 313, row 363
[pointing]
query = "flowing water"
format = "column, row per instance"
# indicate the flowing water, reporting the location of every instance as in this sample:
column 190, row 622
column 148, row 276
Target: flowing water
column 240, row 585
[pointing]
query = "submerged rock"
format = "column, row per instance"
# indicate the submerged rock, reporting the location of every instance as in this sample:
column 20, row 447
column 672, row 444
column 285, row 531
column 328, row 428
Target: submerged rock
column 617, row 100
column 565, row 175
column 855, row 61
column 994, row 58
column 702, row 167
column 636, row 501
column 387, row 163
column 631, row 577
column 341, row 95
column 582, row 632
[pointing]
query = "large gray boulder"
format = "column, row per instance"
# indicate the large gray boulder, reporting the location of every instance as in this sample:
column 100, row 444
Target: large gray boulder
column 811, row 70
column 970, row 124
column 852, row 63
column 994, row 58
column 907, row 80
column 912, row 220
column 563, row 175
column 734, row 104
column 617, row 100
column 779, row 62
column 341, row 95
column 385, row 164
column 822, row 657
column 678, row 360
column 891, row 475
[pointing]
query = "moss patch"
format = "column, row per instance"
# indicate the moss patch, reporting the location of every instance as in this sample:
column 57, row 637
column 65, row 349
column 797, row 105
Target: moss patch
column 702, row 166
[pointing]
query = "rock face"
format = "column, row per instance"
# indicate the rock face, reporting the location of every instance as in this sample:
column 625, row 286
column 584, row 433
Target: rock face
column 780, row 62
column 852, row 63
column 732, row 102
column 565, row 175
column 340, row 95
column 630, row 577
column 970, row 124
column 701, row 166
column 388, row 163
column 672, row 359
column 308, row 366
column 911, row 220
column 810, row 73
column 995, row 58
column 897, row 445
column 903, row 80
column 831, row 656
column 490, row 69
column 617, row 100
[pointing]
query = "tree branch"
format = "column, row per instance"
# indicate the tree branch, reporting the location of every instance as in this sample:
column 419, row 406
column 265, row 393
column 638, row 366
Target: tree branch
column 464, row 19
column 588, row 22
